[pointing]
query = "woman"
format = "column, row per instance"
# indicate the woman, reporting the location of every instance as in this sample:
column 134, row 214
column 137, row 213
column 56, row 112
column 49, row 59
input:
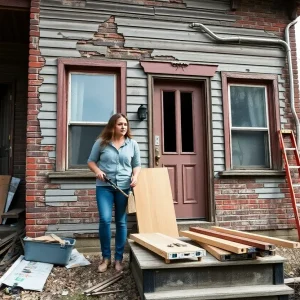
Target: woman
column 117, row 156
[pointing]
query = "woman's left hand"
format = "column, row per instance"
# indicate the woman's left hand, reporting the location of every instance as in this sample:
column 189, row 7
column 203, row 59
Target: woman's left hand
column 133, row 181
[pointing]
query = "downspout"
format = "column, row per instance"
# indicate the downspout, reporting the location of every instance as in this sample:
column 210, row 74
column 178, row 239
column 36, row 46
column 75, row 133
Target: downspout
column 285, row 44
column 291, row 77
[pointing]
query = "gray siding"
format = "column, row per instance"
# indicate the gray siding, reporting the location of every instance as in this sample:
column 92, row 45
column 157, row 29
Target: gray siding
column 185, row 44
column 166, row 32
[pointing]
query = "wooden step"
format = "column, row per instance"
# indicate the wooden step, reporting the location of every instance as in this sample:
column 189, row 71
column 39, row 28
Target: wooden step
column 240, row 292
column 14, row 213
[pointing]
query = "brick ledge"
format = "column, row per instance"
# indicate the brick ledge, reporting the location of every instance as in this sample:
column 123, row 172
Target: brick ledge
column 252, row 173
column 72, row 174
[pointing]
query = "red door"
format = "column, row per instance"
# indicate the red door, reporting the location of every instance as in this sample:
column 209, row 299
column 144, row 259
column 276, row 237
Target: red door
column 179, row 144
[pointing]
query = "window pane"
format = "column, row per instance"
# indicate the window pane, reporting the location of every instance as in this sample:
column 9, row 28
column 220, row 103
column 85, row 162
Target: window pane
column 248, row 106
column 81, row 140
column 250, row 149
column 169, row 121
column 187, row 134
column 92, row 97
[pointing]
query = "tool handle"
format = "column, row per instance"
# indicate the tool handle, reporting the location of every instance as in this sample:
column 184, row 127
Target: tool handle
column 114, row 185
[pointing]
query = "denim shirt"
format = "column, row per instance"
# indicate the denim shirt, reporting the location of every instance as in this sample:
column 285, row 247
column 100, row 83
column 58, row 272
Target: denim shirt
column 116, row 164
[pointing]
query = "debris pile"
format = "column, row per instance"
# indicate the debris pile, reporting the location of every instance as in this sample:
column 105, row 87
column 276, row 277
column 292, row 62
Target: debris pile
column 11, row 247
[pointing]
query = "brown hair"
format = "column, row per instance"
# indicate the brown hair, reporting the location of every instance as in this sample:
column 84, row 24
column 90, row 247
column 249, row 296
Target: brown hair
column 109, row 130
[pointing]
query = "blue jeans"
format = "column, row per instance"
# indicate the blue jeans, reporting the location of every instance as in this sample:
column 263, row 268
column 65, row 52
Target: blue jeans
column 107, row 196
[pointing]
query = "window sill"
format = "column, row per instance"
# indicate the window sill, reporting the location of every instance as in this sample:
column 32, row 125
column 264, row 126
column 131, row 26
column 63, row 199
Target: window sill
column 231, row 173
column 84, row 174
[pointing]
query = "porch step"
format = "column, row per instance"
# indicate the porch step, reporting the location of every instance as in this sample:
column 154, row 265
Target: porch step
column 260, row 278
column 266, row 292
column 185, row 225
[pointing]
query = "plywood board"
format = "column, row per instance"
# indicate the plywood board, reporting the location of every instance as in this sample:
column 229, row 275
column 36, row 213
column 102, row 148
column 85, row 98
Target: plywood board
column 217, row 242
column 4, row 186
column 267, row 239
column 234, row 238
column 223, row 255
column 154, row 203
column 167, row 247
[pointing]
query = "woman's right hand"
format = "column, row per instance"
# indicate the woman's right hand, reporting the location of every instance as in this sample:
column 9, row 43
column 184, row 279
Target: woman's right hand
column 100, row 175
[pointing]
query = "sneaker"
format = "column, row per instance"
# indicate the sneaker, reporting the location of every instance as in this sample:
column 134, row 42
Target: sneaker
column 104, row 265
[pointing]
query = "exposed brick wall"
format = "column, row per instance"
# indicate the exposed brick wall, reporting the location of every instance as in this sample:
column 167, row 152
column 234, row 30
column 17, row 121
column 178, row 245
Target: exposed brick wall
column 108, row 36
column 238, row 204
column 269, row 15
column 36, row 156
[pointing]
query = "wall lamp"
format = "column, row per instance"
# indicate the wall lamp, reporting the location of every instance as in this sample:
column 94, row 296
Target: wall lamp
column 142, row 113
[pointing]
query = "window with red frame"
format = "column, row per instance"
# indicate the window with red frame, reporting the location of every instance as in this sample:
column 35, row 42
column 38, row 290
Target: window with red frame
column 89, row 93
column 251, row 121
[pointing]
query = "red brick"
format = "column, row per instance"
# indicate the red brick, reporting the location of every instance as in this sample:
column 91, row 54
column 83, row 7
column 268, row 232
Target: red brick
column 30, row 222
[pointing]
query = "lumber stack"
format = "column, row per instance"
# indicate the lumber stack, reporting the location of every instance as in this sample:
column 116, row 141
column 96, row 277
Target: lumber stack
column 157, row 226
column 227, row 244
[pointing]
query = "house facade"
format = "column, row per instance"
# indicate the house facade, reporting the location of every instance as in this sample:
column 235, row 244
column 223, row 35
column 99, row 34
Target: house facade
column 213, row 81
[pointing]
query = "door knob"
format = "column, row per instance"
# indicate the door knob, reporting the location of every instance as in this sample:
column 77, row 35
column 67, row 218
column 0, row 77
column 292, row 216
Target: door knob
column 157, row 156
column 9, row 149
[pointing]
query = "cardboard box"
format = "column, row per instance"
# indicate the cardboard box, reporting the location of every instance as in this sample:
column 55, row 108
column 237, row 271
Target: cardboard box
column 4, row 187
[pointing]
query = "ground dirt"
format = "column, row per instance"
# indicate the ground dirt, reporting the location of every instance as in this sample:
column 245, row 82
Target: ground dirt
column 68, row 284
column 291, row 268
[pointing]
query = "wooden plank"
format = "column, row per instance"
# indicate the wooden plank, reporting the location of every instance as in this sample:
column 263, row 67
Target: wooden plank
column 4, row 249
column 223, row 255
column 267, row 239
column 4, row 187
column 154, row 202
column 217, row 242
column 89, row 290
column 8, row 238
column 167, row 247
column 14, row 213
column 15, row 3
column 234, row 238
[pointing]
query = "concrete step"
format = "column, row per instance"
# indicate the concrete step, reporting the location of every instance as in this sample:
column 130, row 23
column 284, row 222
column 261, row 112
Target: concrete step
column 260, row 292
column 185, row 225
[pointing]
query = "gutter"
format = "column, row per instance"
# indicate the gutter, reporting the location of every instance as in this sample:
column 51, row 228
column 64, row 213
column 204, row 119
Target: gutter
column 284, row 44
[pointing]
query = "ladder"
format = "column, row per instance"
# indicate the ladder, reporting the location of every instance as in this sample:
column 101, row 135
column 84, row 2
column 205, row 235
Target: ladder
column 288, row 168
